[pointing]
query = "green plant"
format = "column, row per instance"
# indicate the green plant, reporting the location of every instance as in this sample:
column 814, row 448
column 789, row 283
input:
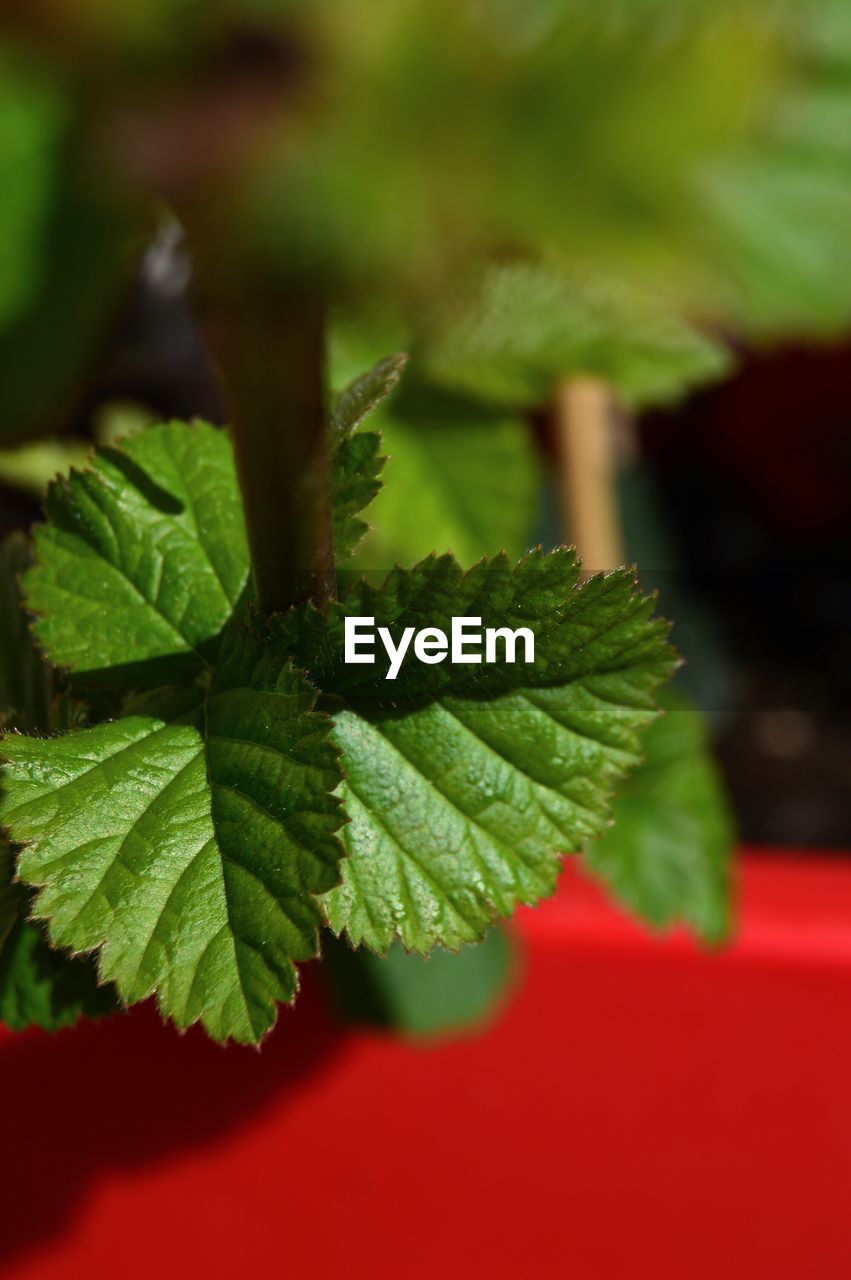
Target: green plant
column 193, row 840
column 196, row 784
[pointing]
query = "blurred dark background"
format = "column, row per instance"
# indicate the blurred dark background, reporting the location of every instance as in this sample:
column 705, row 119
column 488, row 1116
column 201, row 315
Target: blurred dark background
column 753, row 481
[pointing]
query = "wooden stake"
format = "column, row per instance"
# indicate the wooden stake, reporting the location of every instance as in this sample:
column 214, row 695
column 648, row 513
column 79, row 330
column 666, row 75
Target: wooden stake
column 584, row 414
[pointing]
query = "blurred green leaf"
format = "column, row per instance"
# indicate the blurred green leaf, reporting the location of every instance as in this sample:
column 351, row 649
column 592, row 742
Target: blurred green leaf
column 782, row 223
column 523, row 326
column 26, row 681
column 46, row 988
column 459, row 476
column 32, row 115
column 645, row 139
column 8, row 896
column 447, row 992
column 91, row 247
column 691, row 149
column 31, row 467
column 115, row 420
column 667, row 857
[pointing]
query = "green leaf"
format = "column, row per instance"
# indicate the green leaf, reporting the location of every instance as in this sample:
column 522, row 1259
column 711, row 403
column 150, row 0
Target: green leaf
column 420, row 997
column 31, row 123
column 8, row 894
column 766, row 203
column 597, row 627
column 459, row 477
column 143, row 558
column 364, row 394
column 465, row 785
column 668, row 855
column 31, row 467
column 26, row 682
column 37, row 985
column 89, row 247
column 357, row 460
column 42, row 987
column 523, row 326
column 461, row 810
column 186, row 844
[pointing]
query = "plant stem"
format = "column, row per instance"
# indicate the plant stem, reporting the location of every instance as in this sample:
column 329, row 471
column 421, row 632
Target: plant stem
column 583, row 415
column 200, row 145
column 271, row 350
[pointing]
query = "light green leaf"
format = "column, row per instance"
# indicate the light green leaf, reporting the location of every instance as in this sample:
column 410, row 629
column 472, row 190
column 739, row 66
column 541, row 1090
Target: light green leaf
column 766, row 203
column 461, row 810
column 186, row 845
column 357, row 460
column 143, row 558
column 668, row 855
column 465, row 785
column 459, row 477
column 523, row 326
column 31, row 467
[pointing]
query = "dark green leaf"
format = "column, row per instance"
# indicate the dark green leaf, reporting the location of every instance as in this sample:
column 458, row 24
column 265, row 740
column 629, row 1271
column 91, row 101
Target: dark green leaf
column 8, row 893
column 421, row 997
column 42, row 987
column 26, row 682
column 601, row 626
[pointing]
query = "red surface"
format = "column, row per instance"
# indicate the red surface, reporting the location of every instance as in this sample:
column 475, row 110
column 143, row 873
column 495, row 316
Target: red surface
column 641, row 1109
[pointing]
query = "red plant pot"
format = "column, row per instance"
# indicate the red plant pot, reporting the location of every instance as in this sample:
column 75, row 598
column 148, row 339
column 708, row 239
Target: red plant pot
column 642, row 1108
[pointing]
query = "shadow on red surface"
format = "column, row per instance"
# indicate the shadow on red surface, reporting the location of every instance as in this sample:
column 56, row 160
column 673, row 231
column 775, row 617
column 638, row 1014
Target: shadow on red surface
column 128, row 1091
column 643, row 1109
